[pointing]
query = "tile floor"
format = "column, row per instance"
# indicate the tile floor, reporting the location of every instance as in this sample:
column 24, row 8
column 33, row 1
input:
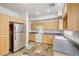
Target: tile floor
column 35, row 49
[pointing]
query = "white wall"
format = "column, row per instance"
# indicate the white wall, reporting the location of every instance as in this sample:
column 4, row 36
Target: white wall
column 9, row 12
column 44, row 17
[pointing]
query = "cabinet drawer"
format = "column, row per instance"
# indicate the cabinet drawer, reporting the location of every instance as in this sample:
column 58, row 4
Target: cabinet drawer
column 4, row 44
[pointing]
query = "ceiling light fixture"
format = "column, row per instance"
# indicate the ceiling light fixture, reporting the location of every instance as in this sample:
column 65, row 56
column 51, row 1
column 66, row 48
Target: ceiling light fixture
column 51, row 5
column 48, row 10
column 37, row 13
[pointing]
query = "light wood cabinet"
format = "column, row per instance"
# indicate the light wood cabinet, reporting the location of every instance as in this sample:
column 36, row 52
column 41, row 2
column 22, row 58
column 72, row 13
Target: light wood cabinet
column 65, row 23
column 4, row 24
column 17, row 20
column 4, row 44
column 31, row 37
column 20, row 21
column 4, row 34
column 47, row 39
column 33, row 26
column 12, row 19
column 60, row 24
column 46, row 25
column 51, row 25
column 73, row 18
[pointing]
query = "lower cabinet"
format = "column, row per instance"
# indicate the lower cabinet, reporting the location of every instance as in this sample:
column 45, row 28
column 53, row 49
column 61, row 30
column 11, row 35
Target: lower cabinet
column 31, row 37
column 4, row 44
column 47, row 38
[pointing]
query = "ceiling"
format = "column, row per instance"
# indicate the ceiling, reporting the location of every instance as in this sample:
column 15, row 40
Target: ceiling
column 34, row 9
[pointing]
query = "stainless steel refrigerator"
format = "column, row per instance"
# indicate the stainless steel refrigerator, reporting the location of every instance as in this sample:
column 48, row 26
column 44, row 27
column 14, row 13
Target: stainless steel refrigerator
column 18, row 36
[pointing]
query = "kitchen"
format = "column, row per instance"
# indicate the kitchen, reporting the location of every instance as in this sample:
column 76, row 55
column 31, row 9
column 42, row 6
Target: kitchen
column 39, row 29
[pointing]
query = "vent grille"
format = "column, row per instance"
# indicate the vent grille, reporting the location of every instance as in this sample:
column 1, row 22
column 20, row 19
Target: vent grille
column 51, row 5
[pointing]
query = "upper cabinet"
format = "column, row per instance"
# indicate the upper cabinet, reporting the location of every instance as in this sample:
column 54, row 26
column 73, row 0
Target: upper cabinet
column 17, row 20
column 71, row 18
column 20, row 21
column 48, row 25
column 65, row 22
column 4, row 24
column 60, row 24
column 12, row 19
column 53, row 25
column 33, row 26
column 4, row 34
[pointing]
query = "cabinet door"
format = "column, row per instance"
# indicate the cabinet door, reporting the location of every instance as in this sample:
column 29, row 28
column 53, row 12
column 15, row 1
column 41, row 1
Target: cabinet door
column 20, row 21
column 60, row 24
column 73, row 18
column 48, row 39
column 12, row 19
column 33, row 26
column 4, row 24
column 31, row 37
column 17, row 20
column 51, row 25
column 4, row 44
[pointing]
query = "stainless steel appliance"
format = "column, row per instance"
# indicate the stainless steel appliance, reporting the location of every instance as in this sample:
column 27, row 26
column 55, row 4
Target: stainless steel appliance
column 18, row 36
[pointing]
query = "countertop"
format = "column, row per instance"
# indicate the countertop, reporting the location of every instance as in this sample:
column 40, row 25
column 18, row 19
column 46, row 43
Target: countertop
column 46, row 32
column 62, row 45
